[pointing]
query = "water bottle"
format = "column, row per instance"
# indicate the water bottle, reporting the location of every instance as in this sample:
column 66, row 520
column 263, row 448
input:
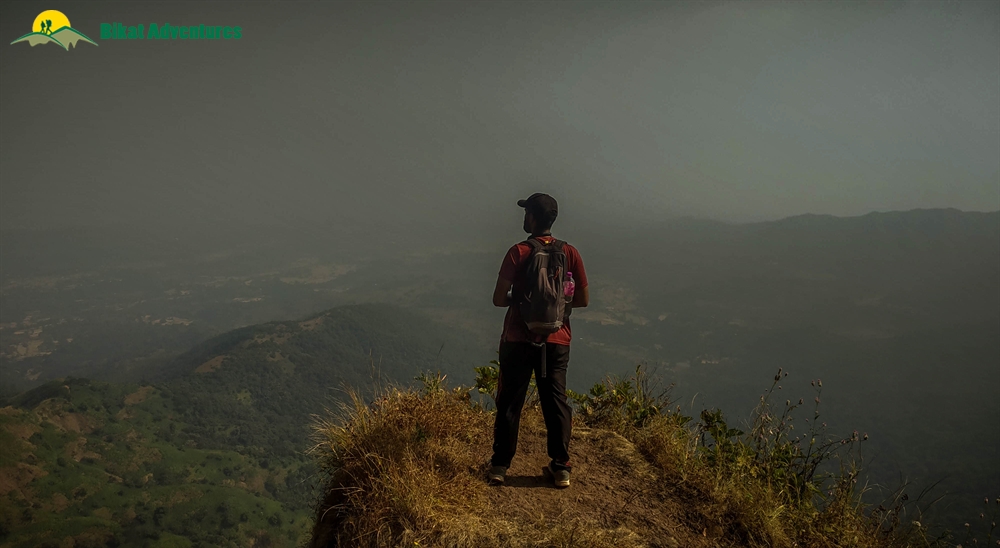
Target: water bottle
column 569, row 286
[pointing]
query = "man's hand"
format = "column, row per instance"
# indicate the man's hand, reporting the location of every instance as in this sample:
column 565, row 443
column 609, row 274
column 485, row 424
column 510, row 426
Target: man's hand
column 500, row 293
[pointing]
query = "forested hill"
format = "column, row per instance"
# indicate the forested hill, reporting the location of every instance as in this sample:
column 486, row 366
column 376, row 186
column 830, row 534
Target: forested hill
column 256, row 387
column 211, row 452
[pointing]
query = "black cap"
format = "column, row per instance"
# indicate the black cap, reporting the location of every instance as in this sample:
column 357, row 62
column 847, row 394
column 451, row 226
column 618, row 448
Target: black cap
column 539, row 203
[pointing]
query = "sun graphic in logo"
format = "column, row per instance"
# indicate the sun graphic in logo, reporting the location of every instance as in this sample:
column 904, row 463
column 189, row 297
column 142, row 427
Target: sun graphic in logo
column 53, row 26
column 50, row 21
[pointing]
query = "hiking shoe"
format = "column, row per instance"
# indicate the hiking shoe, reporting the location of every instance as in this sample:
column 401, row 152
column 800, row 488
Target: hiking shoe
column 559, row 477
column 497, row 474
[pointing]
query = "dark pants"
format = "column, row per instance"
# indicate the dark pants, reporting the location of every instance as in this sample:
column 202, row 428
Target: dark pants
column 517, row 362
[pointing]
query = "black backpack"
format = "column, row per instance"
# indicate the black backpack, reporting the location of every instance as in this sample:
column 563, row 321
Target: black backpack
column 543, row 306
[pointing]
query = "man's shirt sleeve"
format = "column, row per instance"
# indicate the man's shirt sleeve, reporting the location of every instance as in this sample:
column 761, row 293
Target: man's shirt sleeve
column 508, row 270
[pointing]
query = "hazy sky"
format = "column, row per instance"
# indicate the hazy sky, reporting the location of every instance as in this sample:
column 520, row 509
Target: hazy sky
column 446, row 112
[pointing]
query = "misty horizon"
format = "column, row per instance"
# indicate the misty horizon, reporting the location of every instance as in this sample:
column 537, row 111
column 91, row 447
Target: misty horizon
column 419, row 115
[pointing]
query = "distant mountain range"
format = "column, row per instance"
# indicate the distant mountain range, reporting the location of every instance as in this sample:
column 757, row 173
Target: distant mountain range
column 942, row 263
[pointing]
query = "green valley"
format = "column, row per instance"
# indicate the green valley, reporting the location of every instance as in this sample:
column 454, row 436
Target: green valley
column 214, row 452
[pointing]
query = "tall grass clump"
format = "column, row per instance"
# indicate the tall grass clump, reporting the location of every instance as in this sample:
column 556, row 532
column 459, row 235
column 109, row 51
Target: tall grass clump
column 398, row 468
column 763, row 484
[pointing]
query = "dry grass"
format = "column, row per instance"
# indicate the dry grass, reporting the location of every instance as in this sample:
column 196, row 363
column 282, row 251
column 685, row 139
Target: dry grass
column 401, row 471
column 407, row 470
column 740, row 497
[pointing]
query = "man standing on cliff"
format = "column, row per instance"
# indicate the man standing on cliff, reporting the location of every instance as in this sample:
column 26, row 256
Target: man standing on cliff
column 523, row 352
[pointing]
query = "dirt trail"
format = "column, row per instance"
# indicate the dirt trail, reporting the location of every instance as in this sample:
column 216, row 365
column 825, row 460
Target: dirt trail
column 611, row 487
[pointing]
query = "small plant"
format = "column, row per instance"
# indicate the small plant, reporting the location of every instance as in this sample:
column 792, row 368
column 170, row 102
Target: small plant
column 488, row 382
column 488, row 379
column 985, row 527
column 725, row 446
column 629, row 403
column 431, row 383
column 890, row 517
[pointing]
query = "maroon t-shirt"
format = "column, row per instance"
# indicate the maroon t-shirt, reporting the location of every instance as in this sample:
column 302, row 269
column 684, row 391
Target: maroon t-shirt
column 514, row 328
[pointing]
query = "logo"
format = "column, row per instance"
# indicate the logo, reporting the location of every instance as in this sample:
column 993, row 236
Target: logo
column 166, row 31
column 51, row 26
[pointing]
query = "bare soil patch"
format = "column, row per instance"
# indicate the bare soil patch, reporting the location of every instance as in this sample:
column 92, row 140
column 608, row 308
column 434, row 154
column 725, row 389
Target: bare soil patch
column 277, row 338
column 138, row 396
column 210, row 365
column 52, row 411
column 59, row 502
column 77, row 450
column 22, row 430
column 16, row 478
column 309, row 325
column 612, row 487
column 183, row 495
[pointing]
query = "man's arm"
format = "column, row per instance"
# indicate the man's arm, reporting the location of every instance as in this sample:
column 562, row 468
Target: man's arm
column 581, row 298
column 500, row 292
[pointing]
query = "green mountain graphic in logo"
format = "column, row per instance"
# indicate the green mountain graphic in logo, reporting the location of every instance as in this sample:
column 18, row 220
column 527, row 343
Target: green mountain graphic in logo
column 64, row 35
